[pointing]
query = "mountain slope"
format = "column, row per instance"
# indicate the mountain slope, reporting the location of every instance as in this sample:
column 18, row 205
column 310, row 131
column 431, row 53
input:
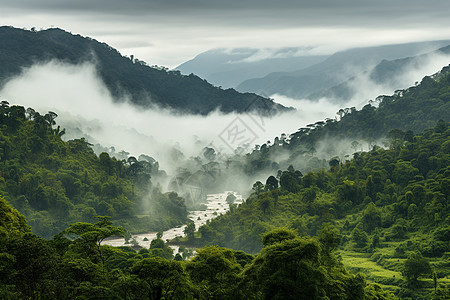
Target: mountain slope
column 228, row 68
column 146, row 85
column 54, row 183
column 384, row 208
column 334, row 70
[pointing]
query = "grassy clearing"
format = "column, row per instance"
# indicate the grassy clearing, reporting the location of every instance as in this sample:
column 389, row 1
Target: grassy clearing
column 361, row 262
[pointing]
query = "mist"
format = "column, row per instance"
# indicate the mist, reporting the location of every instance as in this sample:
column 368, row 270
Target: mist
column 86, row 108
column 84, row 105
column 364, row 88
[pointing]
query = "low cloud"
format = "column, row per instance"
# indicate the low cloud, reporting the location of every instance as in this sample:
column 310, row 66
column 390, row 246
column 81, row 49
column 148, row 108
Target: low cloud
column 86, row 108
column 84, row 105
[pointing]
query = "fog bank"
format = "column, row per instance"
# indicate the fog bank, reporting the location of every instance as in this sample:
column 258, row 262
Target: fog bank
column 86, row 108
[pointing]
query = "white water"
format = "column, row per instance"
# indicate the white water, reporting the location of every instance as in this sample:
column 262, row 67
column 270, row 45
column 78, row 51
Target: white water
column 216, row 205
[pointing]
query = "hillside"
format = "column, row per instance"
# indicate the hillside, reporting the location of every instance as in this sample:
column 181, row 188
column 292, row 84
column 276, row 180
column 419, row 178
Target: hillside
column 388, row 208
column 55, row 183
column 409, row 111
column 333, row 71
column 147, row 86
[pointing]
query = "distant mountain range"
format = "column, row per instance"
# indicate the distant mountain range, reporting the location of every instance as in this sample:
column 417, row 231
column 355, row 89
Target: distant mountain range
column 228, row 68
column 146, row 86
column 392, row 74
column 297, row 73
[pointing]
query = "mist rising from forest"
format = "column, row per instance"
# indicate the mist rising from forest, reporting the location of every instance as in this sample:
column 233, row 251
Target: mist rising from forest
column 86, row 108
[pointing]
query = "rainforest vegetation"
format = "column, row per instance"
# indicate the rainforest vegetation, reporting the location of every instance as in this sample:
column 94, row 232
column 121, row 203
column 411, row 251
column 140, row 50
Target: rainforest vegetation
column 55, row 183
column 74, row 265
column 371, row 226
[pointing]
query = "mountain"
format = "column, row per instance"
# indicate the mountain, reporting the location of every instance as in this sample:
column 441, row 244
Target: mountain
column 229, row 67
column 147, row 86
column 392, row 74
column 384, row 211
column 404, row 113
column 333, row 71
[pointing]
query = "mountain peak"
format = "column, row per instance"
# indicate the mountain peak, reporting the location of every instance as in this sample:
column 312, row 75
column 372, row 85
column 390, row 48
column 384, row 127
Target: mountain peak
column 146, row 86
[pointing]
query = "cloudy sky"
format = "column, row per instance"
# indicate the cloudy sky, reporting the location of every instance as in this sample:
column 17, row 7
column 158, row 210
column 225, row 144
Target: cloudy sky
column 169, row 32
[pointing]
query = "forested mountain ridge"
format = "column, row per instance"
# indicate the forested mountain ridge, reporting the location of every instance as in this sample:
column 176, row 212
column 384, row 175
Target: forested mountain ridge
column 146, row 86
column 55, row 183
column 389, row 208
column 410, row 111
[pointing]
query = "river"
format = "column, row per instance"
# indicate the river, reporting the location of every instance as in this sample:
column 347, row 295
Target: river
column 215, row 205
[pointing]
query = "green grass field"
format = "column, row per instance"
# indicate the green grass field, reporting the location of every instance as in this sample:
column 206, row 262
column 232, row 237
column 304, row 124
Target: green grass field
column 361, row 262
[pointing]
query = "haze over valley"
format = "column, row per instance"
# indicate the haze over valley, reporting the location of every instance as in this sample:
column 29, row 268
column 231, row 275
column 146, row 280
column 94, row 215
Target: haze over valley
column 206, row 150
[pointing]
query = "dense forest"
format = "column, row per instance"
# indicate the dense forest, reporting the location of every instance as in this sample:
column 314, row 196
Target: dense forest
column 387, row 206
column 373, row 225
column 147, row 86
column 55, row 183
column 74, row 265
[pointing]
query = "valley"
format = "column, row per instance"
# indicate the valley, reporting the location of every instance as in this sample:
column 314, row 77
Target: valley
column 121, row 180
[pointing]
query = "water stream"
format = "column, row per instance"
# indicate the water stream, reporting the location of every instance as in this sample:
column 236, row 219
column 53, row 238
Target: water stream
column 215, row 205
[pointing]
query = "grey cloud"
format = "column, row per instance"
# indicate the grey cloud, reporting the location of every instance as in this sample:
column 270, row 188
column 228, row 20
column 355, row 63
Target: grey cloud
column 169, row 32
column 289, row 12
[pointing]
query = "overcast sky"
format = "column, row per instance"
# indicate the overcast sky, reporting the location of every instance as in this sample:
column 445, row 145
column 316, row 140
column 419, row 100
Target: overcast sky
column 169, row 32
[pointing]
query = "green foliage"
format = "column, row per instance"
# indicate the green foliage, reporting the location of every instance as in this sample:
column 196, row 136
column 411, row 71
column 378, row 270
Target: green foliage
column 230, row 198
column 160, row 249
column 189, row 230
column 216, row 271
column 163, row 279
column 295, row 269
column 56, row 183
column 394, row 119
column 384, row 203
column 416, row 265
column 277, row 236
column 75, row 265
column 12, row 223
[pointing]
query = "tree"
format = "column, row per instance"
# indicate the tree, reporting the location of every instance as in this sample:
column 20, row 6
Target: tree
column 160, row 249
column 334, row 162
column 415, row 266
column 329, row 237
column 230, row 198
column 371, row 217
column 165, row 279
column 35, row 265
column 359, row 236
column 87, row 238
column 216, row 272
column 258, row 187
column 294, row 269
column 278, row 235
column 189, row 230
column 291, row 179
column 271, row 183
